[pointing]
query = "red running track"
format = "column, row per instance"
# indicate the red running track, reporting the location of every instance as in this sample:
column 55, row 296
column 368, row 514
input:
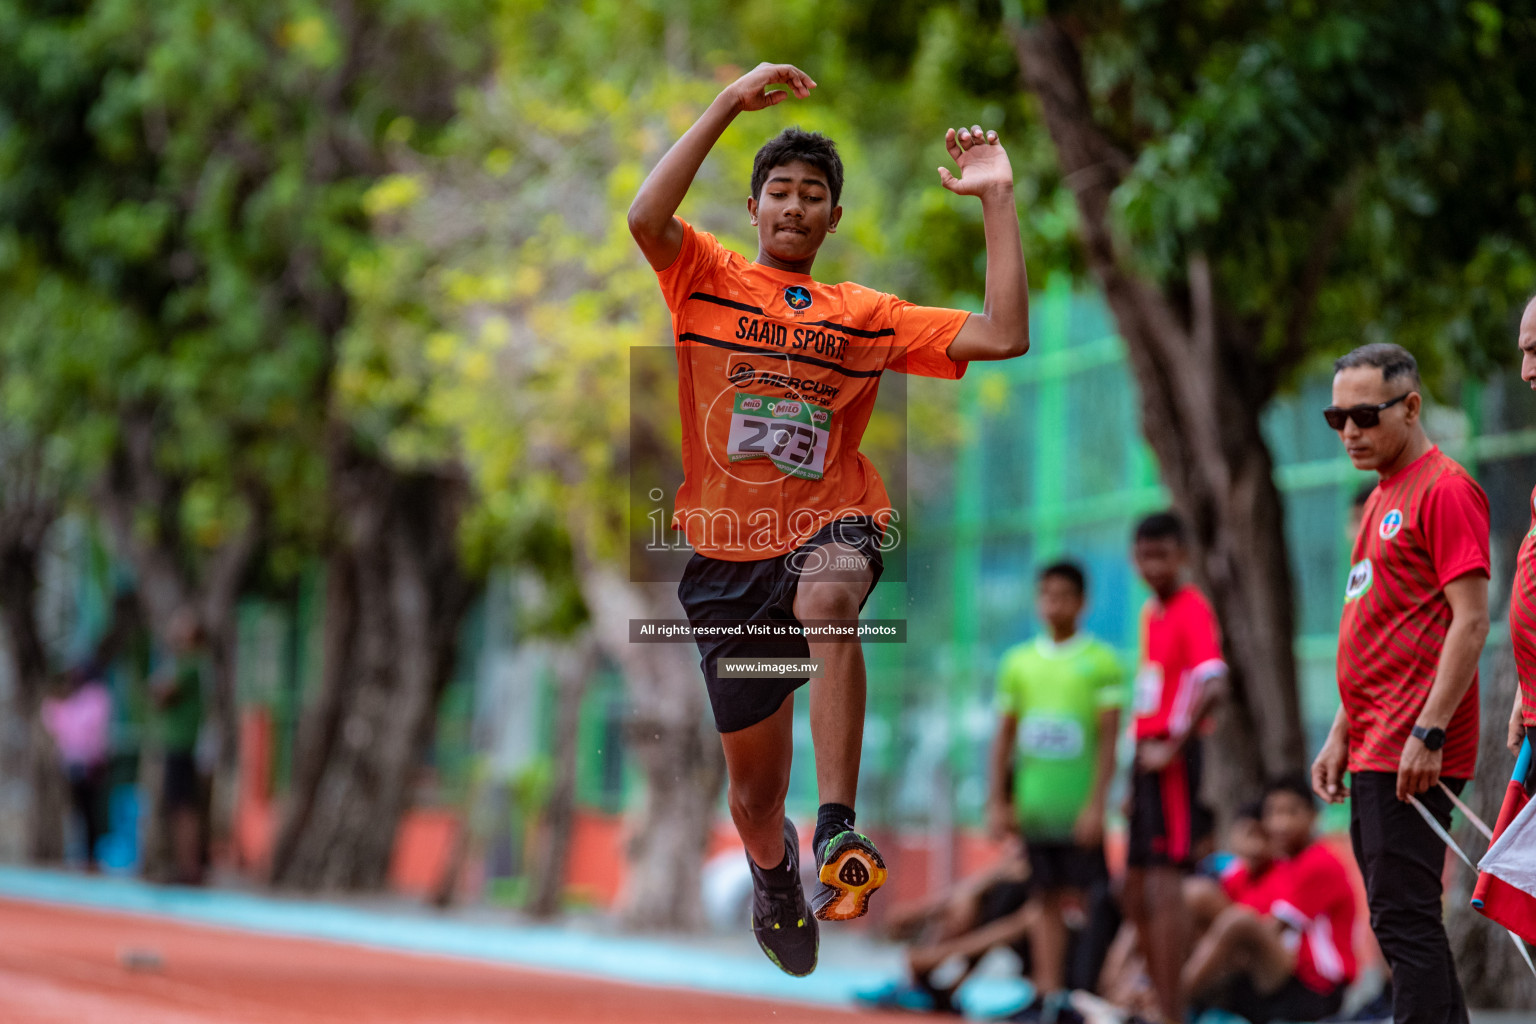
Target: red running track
column 64, row 965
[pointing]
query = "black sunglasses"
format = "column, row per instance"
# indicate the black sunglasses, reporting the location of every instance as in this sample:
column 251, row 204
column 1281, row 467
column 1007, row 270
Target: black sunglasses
column 1365, row 416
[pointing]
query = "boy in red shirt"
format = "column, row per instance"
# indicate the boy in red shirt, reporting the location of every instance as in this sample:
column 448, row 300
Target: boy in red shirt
column 1182, row 673
column 1284, row 950
column 1226, row 876
column 777, row 375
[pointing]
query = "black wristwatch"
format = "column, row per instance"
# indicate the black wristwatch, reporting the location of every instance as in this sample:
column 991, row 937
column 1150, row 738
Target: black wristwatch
column 1433, row 739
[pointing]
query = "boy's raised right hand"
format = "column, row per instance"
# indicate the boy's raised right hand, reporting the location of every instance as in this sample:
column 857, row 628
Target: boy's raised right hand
column 751, row 92
column 653, row 215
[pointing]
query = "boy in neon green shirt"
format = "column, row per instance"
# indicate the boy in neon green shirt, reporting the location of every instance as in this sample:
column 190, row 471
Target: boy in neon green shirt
column 1058, row 704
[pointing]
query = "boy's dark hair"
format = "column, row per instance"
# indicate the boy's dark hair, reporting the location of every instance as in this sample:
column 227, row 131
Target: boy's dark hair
column 1253, row 810
column 1161, row 526
column 1068, row 570
column 1393, row 361
column 1294, row 783
column 792, row 144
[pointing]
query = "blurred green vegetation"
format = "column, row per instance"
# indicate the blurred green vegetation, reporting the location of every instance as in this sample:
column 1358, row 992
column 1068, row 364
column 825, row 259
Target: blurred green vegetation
column 238, row 229
column 196, row 199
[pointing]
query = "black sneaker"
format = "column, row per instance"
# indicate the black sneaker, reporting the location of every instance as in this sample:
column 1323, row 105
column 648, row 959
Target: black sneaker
column 849, row 871
column 783, row 925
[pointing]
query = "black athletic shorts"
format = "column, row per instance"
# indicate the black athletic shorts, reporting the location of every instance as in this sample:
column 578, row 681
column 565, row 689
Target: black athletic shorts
column 1004, row 898
column 1065, row 865
column 1168, row 819
column 714, row 590
column 1292, row 1002
column 181, row 784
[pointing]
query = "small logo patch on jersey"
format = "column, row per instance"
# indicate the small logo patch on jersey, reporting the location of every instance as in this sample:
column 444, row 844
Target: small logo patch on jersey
column 742, row 374
column 1391, row 524
column 797, row 297
column 1359, row 579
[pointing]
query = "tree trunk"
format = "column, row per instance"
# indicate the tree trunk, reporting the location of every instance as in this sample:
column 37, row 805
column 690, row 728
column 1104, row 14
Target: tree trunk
column 671, row 735
column 1201, row 389
column 394, row 601
column 574, row 666
column 34, row 760
column 171, row 575
column 1491, row 971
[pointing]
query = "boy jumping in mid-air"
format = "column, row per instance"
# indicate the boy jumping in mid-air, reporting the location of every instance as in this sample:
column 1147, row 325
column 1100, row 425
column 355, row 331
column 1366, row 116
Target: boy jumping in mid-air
column 777, row 376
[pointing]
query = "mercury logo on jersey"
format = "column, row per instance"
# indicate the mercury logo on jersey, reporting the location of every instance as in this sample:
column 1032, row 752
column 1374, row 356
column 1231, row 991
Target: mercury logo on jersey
column 1391, row 524
column 744, row 374
column 1359, row 579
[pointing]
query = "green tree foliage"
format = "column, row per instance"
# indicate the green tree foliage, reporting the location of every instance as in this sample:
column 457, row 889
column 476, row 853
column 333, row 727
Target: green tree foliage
column 180, row 189
column 1361, row 168
column 1261, row 187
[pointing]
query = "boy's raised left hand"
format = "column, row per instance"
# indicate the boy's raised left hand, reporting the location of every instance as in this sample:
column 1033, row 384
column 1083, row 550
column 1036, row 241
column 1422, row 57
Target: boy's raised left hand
column 983, row 162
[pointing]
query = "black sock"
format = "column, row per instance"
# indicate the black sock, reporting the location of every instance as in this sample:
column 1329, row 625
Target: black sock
column 780, row 876
column 943, row 998
column 830, row 820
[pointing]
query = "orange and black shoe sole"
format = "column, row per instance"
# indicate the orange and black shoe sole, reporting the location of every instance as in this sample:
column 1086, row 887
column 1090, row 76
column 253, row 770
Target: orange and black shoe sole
column 852, row 872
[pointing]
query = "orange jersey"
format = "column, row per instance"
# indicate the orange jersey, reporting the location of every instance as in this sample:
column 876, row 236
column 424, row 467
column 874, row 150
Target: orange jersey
column 777, row 376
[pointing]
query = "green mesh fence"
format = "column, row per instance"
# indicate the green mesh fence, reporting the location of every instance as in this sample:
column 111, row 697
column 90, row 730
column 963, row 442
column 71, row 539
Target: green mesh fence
column 1051, row 464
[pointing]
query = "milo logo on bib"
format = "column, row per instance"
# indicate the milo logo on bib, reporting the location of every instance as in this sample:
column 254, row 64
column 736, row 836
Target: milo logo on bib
column 794, row 435
column 1359, row 580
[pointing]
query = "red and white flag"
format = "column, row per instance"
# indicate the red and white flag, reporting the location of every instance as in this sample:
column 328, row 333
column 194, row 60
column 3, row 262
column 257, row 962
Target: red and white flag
column 1506, row 887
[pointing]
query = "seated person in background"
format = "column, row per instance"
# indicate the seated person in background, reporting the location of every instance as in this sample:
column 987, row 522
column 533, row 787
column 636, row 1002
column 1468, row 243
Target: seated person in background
column 985, row 911
column 1283, row 950
column 1058, row 703
column 1225, row 877
column 1221, row 879
column 1005, row 913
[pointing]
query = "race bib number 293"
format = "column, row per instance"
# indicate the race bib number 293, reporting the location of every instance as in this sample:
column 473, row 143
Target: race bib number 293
column 789, row 432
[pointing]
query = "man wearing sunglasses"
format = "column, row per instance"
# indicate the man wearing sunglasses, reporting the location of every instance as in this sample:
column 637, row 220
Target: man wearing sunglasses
column 1522, row 602
column 1415, row 617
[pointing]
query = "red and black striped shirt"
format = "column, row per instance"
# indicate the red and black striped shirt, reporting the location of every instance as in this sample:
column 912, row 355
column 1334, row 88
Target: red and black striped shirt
column 1423, row 527
column 1522, row 619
